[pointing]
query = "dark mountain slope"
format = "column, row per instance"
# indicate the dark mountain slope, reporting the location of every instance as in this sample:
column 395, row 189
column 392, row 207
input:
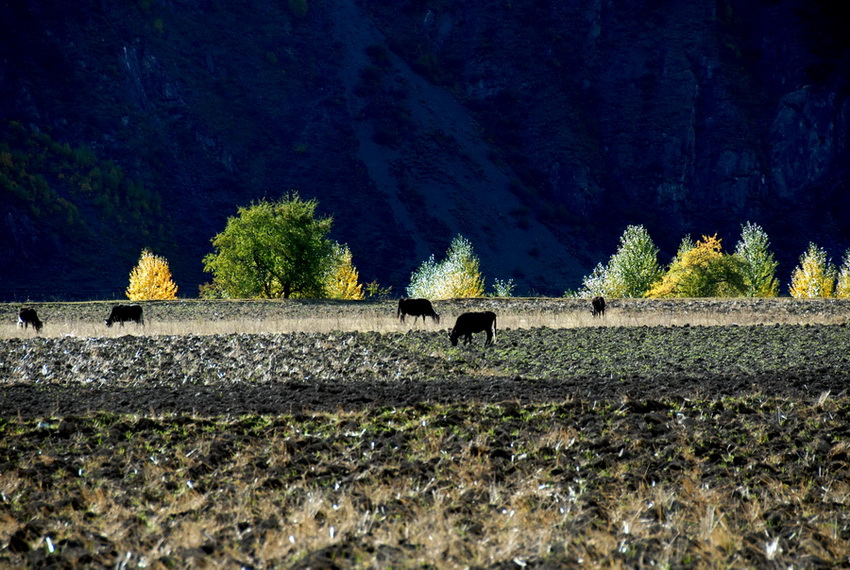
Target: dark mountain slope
column 691, row 116
column 537, row 129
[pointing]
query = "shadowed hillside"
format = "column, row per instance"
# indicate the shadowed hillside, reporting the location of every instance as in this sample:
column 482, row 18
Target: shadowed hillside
column 537, row 129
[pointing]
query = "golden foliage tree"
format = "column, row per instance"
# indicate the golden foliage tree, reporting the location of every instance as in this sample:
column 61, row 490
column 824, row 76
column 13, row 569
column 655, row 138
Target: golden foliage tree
column 343, row 280
column 842, row 289
column 815, row 276
column 151, row 279
column 701, row 270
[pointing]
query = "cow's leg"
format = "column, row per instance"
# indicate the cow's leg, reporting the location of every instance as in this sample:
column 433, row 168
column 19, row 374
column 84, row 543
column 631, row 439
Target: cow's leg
column 489, row 337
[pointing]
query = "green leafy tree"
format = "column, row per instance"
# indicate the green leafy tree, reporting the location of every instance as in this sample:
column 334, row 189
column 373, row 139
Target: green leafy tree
column 815, row 276
column 634, row 268
column 630, row 272
column 701, row 271
column 759, row 265
column 273, row 250
column 842, row 289
column 458, row 275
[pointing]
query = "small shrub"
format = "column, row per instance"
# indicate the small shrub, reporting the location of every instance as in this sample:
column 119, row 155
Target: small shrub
column 376, row 292
column 502, row 288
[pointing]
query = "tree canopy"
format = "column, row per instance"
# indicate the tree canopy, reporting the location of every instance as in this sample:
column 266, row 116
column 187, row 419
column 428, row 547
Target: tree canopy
column 759, row 265
column 343, row 282
column 458, row 275
column 630, row 272
column 842, row 287
column 151, row 279
column 815, row 276
column 273, row 250
column 701, row 270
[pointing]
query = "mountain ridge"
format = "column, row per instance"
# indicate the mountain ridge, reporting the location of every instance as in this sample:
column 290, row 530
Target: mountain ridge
column 536, row 129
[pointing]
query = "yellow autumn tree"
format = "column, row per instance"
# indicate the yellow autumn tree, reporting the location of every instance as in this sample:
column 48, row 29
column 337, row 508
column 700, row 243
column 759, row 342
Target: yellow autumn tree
column 701, row 270
column 151, row 279
column 842, row 288
column 815, row 276
column 342, row 282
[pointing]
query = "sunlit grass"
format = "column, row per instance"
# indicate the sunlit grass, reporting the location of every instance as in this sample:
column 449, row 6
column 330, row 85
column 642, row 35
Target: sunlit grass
column 197, row 319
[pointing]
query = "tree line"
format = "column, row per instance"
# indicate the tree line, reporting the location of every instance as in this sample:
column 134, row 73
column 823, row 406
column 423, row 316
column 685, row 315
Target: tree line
column 282, row 249
column 703, row 269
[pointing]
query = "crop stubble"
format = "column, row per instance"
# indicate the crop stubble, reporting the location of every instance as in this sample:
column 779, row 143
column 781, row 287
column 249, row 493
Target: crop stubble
column 611, row 445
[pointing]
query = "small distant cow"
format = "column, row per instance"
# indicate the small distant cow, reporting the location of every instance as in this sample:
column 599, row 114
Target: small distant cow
column 417, row 308
column 598, row 304
column 27, row 316
column 469, row 323
column 124, row 313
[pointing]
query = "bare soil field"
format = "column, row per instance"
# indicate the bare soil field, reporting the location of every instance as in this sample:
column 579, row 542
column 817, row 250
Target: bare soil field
column 696, row 433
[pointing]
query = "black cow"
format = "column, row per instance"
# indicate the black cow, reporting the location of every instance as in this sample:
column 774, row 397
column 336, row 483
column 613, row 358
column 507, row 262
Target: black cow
column 598, row 304
column 27, row 316
column 417, row 308
column 469, row 323
column 123, row 313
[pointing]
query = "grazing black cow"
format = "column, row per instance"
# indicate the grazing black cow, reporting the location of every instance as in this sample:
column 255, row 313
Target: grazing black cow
column 27, row 316
column 417, row 308
column 123, row 313
column 598, row 304
column 469, row 323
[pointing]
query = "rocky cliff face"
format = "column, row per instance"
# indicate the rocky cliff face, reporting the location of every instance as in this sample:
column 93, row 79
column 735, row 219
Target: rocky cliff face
column 690, row 117
column 537, row 129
